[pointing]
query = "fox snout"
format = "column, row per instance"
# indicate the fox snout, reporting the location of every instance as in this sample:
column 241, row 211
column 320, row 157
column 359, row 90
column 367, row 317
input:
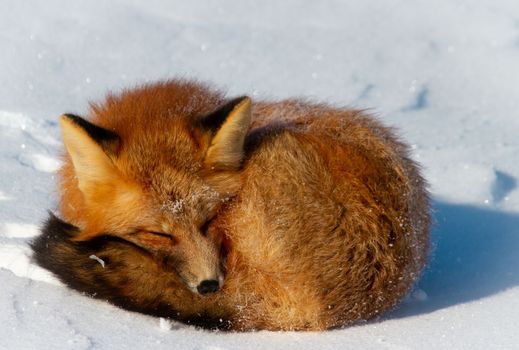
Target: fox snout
column 203, row 286
column 208, row 286
column 198, row 263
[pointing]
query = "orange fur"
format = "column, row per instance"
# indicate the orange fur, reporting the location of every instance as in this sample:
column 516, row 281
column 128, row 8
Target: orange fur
column 321, row 215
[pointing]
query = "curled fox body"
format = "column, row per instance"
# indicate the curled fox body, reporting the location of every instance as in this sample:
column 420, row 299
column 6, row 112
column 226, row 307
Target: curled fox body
column 235, row 213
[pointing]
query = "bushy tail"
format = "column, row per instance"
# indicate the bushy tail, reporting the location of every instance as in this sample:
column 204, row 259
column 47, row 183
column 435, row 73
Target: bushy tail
column 82, row 266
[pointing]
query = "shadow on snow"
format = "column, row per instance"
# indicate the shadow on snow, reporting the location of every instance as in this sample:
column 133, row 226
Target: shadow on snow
column 475, row 254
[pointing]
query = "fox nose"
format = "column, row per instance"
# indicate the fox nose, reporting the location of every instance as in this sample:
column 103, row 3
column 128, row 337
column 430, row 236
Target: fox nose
column 208, row 286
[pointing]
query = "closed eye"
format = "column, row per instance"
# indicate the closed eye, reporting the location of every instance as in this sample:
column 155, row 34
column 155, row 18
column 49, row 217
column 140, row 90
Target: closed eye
column 162, row 234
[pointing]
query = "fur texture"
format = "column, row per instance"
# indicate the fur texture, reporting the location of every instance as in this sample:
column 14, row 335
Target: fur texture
column 309, row 217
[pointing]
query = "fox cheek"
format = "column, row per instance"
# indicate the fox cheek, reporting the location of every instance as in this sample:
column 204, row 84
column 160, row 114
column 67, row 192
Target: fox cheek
column 175, row 263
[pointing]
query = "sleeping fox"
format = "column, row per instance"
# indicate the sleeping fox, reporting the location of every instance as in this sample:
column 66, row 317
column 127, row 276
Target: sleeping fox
column 179, row 202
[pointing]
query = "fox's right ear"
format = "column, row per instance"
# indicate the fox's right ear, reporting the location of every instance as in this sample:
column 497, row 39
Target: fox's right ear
column 91, row 149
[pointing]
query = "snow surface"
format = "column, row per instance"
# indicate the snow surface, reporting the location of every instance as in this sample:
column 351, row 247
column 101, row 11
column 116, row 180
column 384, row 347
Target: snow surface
column 445, row 72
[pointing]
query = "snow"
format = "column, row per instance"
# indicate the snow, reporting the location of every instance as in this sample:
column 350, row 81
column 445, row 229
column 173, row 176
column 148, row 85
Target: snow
column 98, row 259
column 445, row 73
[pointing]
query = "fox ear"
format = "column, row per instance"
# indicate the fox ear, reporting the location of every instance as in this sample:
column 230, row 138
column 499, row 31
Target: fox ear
column 229, row 126
column 91, row 149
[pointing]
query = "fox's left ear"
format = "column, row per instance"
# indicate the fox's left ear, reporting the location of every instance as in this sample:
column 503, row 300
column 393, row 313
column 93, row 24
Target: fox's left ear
column 229, row 126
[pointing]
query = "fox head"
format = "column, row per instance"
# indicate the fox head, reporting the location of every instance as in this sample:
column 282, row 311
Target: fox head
column 156, row 176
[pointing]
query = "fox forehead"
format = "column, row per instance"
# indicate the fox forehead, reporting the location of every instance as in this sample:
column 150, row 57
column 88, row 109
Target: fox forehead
column 156, row 151
column 180, row 195
column 183, row 198
column 158, row 125
column 168, row 208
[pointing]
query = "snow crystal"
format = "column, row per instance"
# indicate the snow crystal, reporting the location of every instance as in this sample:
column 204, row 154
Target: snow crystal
column 99, row 260
column 174, row 207
column 165, row 324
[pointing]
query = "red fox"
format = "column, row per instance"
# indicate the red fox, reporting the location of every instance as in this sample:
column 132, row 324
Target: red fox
column 236, row 214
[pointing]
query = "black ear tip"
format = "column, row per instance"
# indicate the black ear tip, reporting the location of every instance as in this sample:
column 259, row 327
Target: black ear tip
column 74, row 118
column 215, row 119
column 71, row 116
column 235, row 102
column 107, row 139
